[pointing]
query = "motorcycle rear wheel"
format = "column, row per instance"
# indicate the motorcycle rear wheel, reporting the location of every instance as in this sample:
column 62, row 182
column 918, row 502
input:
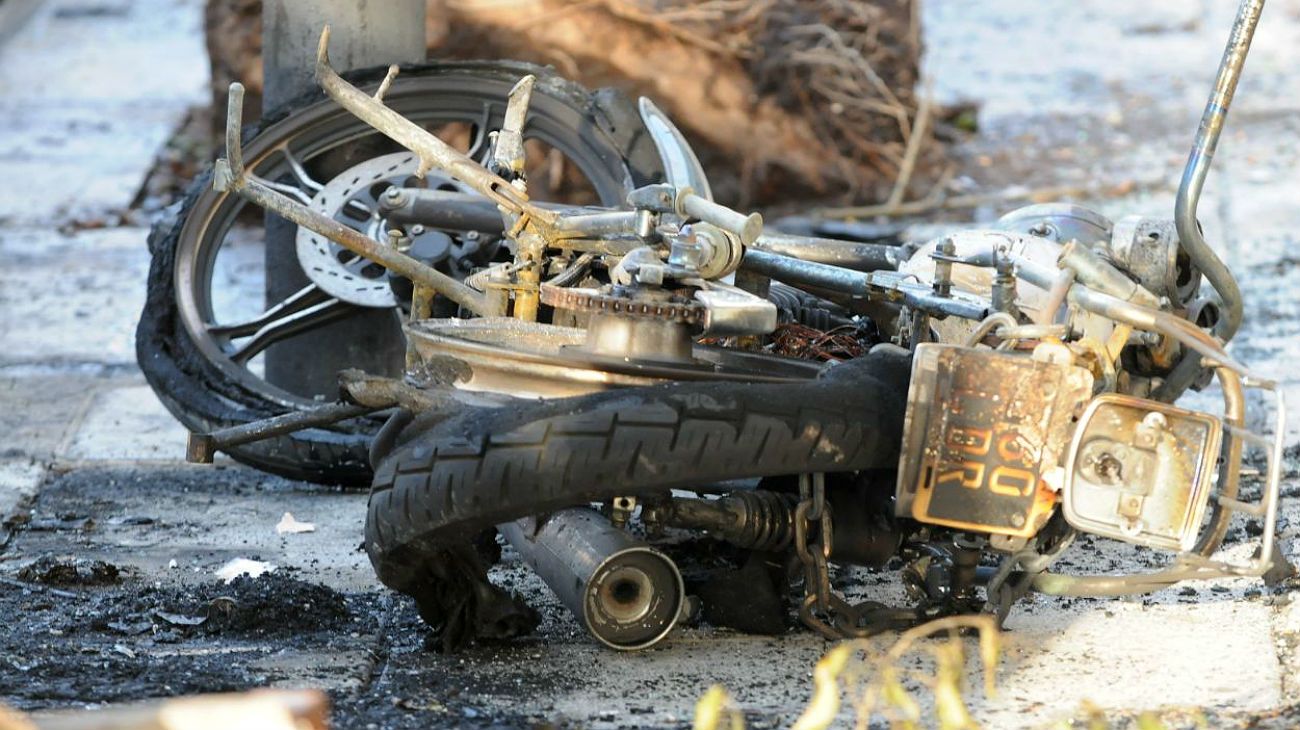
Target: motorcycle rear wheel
column 440, row 484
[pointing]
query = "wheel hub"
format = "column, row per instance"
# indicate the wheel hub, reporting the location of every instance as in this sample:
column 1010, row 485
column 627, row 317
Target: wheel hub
column 520, row 358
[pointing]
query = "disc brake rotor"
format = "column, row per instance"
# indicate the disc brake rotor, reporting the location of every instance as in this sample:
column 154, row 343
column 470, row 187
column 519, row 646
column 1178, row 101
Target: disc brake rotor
column 352, row 198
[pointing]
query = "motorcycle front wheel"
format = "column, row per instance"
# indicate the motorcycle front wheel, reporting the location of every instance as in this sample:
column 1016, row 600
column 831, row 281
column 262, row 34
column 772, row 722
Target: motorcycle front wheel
column 206, row 364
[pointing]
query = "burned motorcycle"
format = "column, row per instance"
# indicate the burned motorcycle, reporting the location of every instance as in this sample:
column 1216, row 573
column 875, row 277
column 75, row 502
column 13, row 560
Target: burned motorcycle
column 1018, row 396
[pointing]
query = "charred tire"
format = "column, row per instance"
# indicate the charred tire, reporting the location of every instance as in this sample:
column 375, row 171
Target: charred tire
column 198, row 387
column 443, row 484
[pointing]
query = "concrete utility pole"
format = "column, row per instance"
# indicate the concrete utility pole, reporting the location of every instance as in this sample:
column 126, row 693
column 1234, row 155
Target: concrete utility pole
column 363, row 33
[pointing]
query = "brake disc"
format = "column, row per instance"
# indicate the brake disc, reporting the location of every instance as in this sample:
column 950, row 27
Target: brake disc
column 352, row 198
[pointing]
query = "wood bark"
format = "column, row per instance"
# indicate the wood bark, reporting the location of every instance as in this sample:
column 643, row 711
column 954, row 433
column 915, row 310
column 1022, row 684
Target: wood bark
column 784, row 100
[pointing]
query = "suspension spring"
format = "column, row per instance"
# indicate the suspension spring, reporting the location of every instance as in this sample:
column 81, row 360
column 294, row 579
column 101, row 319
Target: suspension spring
column 750, row 519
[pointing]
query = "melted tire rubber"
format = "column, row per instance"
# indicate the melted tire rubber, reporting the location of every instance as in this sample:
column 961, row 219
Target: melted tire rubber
column 201, row 397
column 445, row 484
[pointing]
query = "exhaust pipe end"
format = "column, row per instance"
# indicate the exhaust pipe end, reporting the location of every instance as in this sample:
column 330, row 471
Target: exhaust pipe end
column 633, row 599
column 627, row 594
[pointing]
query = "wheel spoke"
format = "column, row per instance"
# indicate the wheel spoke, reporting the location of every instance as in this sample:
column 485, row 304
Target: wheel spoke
column 479, row 143
column 296, row 302
column 312, row 186
column 298, row 322
column 299, row 172
column 360, row 206
column 306, row 184
column 290, row 190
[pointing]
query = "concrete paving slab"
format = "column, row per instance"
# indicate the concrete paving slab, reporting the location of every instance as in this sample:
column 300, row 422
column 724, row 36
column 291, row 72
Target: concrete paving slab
column 337, row 671
column 39, row 408
column 1130, row 655
column 156, row 46
column 1286, row 636
column 78, row 132
column 71, row 299
column 75, row 170
column 1086, row 58
column 126, row 423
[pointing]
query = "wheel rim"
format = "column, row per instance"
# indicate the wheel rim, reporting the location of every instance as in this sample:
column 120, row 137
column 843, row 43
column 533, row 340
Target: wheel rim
column 285, row 151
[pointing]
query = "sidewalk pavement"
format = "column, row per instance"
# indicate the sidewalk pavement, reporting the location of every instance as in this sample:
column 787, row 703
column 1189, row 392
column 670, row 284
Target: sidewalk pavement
column 1097, row 91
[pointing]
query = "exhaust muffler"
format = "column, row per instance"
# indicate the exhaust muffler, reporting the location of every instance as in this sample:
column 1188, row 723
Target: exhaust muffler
column 627, row 594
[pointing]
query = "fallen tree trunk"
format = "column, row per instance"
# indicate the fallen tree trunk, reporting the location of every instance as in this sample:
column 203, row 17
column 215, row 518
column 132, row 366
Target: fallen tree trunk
column 783, row 99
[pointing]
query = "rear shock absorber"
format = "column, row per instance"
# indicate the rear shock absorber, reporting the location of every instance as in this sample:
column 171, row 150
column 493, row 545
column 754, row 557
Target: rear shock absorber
column 764, row 520
column 750, row 519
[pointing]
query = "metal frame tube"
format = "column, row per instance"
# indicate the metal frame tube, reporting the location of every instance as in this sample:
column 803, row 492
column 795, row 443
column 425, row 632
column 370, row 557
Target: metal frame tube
column 200, row 448
column 1198, row 167
column 433, row 152
column 1189, row 193
column 880, row 285
column 231, row 175
column 848, row 254
column 1154, row 320
column 442, row 209
column 747, row 226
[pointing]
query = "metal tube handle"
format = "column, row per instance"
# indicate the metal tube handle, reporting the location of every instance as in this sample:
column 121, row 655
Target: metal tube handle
column 1198, row 167
column 748, row 227
column 1189, row 194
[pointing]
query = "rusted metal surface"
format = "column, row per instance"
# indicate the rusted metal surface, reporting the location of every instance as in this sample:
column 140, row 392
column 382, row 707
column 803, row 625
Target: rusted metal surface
column 595, row 301
column 525, row 279
column 202, row 447
column 433, row 152
column 984, row 437
column 378, row 392
column 837, row 252
column 531, row 359
column 1148, row 248
column 508, row 148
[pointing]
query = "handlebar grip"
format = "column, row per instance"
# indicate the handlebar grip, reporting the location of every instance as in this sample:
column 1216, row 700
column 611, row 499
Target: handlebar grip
column 748, row 227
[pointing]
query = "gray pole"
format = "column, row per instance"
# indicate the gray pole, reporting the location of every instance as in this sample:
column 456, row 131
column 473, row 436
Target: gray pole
column 363, row 33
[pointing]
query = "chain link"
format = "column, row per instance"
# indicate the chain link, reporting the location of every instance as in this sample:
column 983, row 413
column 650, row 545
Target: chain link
column 824, row 610
column 811, row 516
